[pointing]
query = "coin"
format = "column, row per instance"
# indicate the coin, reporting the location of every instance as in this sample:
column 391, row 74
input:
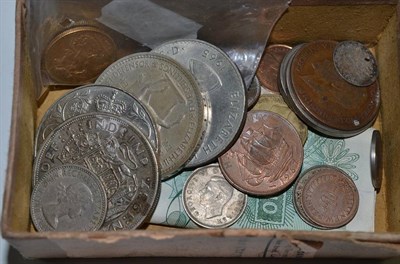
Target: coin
column 210, row 201
column 330, row 198
column 68, row 198
column 171, row 95
column 267, row 156
column 253, row 93
column 327, row 102
column 282, row 79
column 376, row 160
column 355, row 63
column 118, row 154
column 268, row 68
column 297, row 198
column 220, row 79
column 78, row 55
column 97, row 99
column 276, row 104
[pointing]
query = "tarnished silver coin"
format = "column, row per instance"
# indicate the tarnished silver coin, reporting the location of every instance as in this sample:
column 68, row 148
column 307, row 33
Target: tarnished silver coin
column 220, row 79
column 376, row 159
column 118, row 154
column 171, row 95
column 68, row 198
column 210, row 201
column 253, row 93
column 97, row 99
column 355, row 63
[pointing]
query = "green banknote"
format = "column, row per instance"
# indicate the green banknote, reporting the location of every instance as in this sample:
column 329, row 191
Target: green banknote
column 351, row 155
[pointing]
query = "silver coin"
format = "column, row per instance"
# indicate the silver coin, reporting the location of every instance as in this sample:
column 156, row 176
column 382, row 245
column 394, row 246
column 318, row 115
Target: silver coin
column 210, row 201
column 118, row 154
column 97, row 99
column 253, row 92
column 283, row 71
column 68, row 198
column 376, row 160
column 220, row 79
column 355, row 63
column 173, row 98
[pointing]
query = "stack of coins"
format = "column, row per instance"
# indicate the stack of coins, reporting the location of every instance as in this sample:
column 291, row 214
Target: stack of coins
column 325, row 197
column 96, row 168
column 312, row 86
column 102, row 150
column 165, row 114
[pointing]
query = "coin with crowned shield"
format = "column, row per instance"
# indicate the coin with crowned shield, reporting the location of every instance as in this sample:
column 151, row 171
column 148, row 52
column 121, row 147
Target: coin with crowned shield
column 118, row 154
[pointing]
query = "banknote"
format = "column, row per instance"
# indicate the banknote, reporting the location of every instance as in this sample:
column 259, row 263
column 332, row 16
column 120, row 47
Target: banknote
column 351, row 155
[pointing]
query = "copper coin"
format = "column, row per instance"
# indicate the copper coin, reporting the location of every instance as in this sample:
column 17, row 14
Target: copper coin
column 330, row 197
column 297, row 198
column 78, row 55
column 266, row 158
column 326, row 97
column 267, row 71
column 275, row 103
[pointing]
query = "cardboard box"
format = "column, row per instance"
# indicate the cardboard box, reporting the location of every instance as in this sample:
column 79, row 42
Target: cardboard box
column 373, row 22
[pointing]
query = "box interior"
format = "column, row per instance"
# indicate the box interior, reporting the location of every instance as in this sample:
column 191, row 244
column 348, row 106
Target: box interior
column 376, row 25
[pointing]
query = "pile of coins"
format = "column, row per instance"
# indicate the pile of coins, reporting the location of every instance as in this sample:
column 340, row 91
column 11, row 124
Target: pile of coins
column 102, row 150
column 311, row 84
column 325, row 197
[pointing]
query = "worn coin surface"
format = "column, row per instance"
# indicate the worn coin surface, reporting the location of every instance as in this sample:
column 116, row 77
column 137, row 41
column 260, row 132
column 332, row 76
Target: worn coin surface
column 97, row 99
column 355, row 63
column 330, row 197
column 78, row 55
column 376, row 159
column 68, row 198
column 220, row 79
column 171, row 95
column 210, row 200
column 276, row 104
column 297, row 198
column 268, row 68
column 253, row 93
column 325, row 97
column 266, row 158
column 118, row 154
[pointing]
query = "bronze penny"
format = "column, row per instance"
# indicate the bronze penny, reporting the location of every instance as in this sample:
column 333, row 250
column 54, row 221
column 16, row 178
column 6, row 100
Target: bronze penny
column 326, row 98
column 268, row 68
column 275, row 103
column 78, row 55
column 330, row 197
column 297, row 198
column 266, row 158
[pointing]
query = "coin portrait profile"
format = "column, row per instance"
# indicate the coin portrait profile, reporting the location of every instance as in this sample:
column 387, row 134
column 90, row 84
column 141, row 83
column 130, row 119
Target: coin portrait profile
column 69, row 206
column 215, row 195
